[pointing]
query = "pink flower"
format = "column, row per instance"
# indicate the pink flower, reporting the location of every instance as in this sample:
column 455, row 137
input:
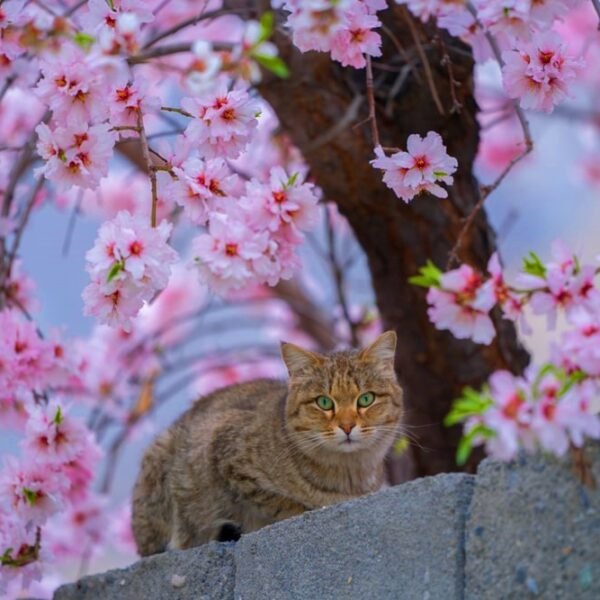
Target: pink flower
column 83, row 524
column 199, row 182
column 224, row 122
column 508, row 20
column 566, row 285
column 581, row 345
column 351, row 42
column 511, row 303
column 314, row 23
column 578, row 410
column 547, row 415
column 25, row 359
column 509, row 417
column 539, row 73
column 129, row 263
column 33, row 490
column 285, row 200
column 52, row 436
column 73, row 87
column 226, row 252
column 117, row 26
column 419, row 169
column 462, row 304
column 20, row 288
column 77, row 155
column 127, row 99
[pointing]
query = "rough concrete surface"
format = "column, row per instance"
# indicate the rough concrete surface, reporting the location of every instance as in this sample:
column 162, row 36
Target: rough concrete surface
column 524, row 530
column 373, row 547
column 533, row 532
column 204, row 573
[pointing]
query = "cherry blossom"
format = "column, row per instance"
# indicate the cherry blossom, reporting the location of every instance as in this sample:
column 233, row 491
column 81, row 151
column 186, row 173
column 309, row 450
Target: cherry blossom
column 224, row 121
column 462, row 304
column 226, row 253
column 419, row 169
column 350, row 43
column 32, row 490
column 201, row 185
column 77, row 155
column 129, row 263
column 539, row 73
column 73, row 87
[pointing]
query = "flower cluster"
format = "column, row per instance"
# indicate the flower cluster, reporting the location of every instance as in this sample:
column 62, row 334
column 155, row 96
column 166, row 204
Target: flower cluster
column 254, row 240
column 546, row 409
column 129, row 263
column 550, row 408
column 538, row 72
column 54, row 471
column 223, row 122
column 422, row 168
column 345, row 29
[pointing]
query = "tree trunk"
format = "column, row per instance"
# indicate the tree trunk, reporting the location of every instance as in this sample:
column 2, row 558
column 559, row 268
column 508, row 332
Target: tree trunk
column 319, row 107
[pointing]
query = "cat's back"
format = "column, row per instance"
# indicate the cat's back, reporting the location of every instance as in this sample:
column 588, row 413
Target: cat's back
column 241, row 396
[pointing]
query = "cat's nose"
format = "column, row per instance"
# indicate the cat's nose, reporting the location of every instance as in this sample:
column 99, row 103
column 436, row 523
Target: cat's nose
column 347, row 427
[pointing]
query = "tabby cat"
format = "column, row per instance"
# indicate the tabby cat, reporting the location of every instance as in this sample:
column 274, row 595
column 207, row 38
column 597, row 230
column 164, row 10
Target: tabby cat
column 255, row 453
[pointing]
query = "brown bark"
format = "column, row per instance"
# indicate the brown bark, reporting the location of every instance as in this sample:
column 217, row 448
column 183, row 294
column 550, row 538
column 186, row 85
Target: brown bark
column 398, row 238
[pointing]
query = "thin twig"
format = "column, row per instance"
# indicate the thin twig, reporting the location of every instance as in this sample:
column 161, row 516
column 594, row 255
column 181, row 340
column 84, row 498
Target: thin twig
column 213, row 14
column 21, row 227
column 424, row 60
column 18, row 168
column 485, row 191
column 348, row 117
column 149, row 165
column 75, row 8
column 71, row 225
column 371, row 101
column 171, row 49
column 179, row 111
column 447, row 61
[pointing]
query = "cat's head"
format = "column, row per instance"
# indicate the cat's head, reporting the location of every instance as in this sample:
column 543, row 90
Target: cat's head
column 344, row 402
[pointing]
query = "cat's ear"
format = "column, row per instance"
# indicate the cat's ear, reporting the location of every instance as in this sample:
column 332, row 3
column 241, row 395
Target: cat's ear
column 298, row 359
column 382, row 350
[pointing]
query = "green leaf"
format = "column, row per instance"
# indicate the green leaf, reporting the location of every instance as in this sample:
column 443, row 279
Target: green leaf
column 114, row 271
column 471, row 403
column 273, row 64
column 465, row 446
column 266, row 24
column 83, row 40
column 438, row 174
column 58, row 417
column 6, row 558
column 30, row 495
column 429, row 276
column 292, row 180
column 533, row 265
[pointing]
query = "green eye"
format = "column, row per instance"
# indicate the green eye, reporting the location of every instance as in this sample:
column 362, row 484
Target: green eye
column 366, row 399
column 324, row 403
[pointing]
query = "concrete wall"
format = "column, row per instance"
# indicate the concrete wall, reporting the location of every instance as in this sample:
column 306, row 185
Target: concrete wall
column 524, row 530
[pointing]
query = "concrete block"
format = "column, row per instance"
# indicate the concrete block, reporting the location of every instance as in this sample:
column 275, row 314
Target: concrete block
column 204, row 573
column 402, row 543
column 533, row 532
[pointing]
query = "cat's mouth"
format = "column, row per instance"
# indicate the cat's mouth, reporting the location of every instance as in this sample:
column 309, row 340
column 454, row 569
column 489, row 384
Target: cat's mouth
column 348, row 445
